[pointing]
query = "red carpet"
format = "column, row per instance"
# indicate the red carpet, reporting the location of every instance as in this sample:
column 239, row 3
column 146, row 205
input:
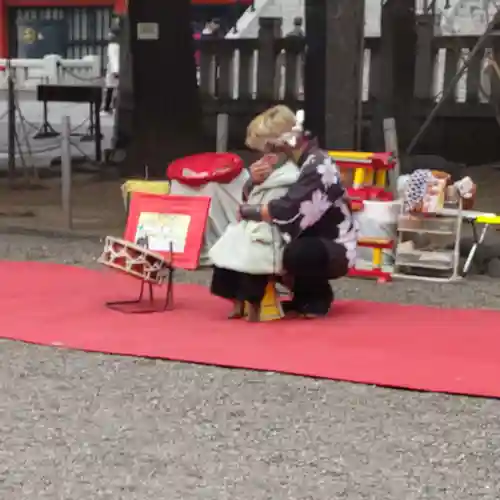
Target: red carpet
column 456, row 351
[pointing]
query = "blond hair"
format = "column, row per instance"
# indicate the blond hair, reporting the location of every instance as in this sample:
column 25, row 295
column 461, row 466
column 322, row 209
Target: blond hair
column 270, row 125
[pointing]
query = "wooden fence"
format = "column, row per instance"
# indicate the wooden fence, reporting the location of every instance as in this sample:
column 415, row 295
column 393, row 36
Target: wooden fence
column 235, row 75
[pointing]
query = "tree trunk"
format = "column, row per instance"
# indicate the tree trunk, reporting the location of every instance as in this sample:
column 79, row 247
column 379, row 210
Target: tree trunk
column 160, row 108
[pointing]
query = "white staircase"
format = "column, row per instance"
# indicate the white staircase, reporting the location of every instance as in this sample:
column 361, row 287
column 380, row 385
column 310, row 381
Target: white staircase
column 463, row 16
column 248, row 24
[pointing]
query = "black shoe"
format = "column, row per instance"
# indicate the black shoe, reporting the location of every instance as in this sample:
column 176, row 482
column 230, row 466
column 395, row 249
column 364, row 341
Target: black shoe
column 318, row 309
column 290, row 308
column 310, row 310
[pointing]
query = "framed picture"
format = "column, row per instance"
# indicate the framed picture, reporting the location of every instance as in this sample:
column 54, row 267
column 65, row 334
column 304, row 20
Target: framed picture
column 161, row 222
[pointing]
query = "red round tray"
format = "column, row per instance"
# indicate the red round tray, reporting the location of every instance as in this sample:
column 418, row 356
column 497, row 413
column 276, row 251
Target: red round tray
column 200, row 169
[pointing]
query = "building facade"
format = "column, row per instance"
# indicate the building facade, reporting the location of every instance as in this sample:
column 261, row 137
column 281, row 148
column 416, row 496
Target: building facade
column 75, row 28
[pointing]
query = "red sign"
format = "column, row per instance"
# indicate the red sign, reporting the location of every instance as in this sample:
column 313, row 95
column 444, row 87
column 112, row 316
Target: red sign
column 165, row 221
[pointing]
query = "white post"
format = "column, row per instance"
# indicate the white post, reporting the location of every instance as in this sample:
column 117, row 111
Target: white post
column 222, row 132
column 94, row 62
column 52, row 71
column 391, row 146
column 66, row 172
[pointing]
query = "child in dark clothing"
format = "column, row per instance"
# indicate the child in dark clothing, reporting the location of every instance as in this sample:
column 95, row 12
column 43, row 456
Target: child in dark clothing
column 249, row 253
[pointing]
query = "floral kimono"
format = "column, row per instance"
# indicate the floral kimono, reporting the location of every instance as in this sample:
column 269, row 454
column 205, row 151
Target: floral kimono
column 317, row 206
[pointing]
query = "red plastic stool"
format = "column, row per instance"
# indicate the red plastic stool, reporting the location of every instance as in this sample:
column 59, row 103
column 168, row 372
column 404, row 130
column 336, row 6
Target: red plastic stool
column 204, row 168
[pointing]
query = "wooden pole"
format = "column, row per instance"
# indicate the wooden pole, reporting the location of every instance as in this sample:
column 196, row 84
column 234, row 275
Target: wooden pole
column 11, row 124
column 222, row 132
column 66, row 172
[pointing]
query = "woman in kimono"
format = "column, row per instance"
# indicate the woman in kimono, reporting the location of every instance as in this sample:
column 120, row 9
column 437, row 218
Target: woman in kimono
column 249, row 252
column 314, row 216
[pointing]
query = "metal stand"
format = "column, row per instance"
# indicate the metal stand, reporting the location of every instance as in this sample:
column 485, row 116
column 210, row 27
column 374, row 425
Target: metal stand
column 91, row 131
column 91, row 94
column 478, row 241
column 147, row 305
column 46, row 131
column 94, row 131
column 412, row 264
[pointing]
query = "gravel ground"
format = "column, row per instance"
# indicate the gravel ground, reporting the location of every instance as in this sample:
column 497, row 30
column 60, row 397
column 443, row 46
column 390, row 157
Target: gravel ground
column 77, row 426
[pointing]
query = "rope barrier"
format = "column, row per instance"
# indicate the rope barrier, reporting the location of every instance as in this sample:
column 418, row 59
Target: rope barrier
column 24, row 148
column 31, row 152
column 77, row 76
column 36, row 127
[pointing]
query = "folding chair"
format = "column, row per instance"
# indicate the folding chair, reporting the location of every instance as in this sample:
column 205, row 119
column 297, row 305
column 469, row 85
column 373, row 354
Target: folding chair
column 475, row 218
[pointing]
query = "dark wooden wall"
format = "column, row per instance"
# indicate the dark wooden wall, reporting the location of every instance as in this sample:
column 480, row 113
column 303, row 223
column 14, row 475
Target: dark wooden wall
column 464, row 130
column 243, row 77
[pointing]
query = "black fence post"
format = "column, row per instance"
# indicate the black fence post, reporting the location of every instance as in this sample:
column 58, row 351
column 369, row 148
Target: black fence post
column 332, row 90
column 11, row 123
column 398, row 49
column 269, row 31
column 123, row 125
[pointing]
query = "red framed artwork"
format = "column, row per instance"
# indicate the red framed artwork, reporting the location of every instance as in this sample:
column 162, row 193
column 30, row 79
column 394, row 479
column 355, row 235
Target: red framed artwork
column 165, row 220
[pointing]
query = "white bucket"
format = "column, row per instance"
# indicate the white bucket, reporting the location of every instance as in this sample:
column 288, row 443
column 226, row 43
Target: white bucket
column 378, row 219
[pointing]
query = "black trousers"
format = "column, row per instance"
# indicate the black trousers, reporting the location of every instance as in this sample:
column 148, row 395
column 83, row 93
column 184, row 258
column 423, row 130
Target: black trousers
column 310, row 262
column 233, row 285
column 108, row 99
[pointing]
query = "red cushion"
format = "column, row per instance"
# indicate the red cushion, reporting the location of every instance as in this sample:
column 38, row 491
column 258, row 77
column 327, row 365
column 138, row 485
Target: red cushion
column 205, row 167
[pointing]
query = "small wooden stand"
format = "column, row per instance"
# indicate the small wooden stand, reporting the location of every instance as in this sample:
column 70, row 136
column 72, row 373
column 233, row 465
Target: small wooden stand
column 270, row 307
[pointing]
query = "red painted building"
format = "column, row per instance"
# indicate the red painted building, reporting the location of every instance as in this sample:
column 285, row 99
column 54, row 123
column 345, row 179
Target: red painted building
column 75, row 28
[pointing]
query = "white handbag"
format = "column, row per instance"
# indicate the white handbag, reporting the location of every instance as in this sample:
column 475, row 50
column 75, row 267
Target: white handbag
column 249, row 247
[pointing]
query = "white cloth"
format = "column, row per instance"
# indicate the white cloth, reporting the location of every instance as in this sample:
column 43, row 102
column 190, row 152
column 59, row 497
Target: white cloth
column 225, row 200
column 378, row 219
column 256, row 247
column 113, row 65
